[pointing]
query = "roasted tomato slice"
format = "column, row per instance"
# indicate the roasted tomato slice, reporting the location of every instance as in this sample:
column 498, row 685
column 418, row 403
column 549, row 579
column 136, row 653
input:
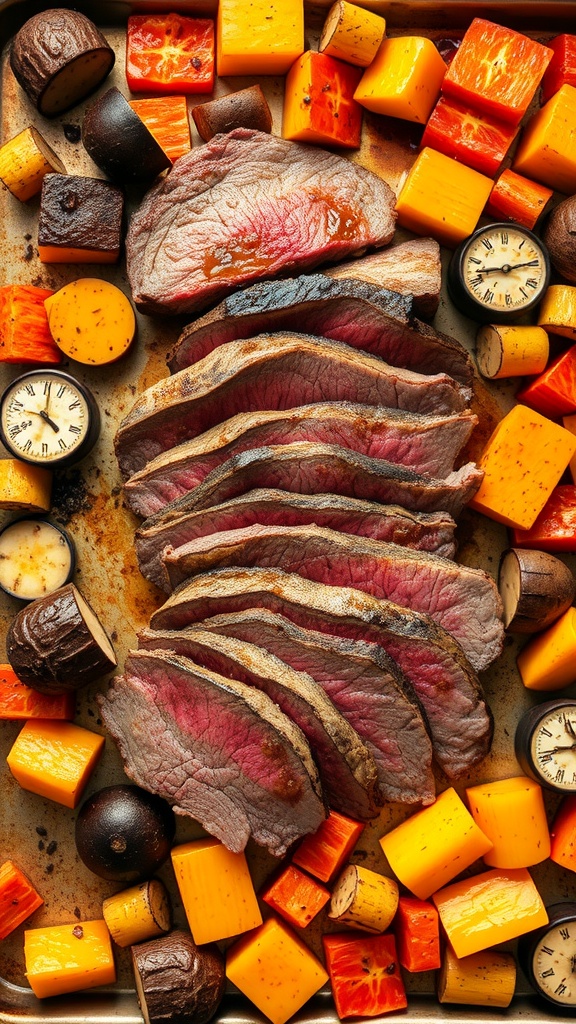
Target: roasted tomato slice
column 364, row 974
column 484, row 72
column 553, row 393
column 474, row 139
column 555, row 527
column 169, row 53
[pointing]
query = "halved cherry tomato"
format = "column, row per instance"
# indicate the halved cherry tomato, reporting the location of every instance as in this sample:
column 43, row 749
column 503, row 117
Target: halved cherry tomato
column 485, row 71
column 555, row 527
column 553, row 393
column 169, row 53
column 474, row 139
column 562, row 68
column 364, row 974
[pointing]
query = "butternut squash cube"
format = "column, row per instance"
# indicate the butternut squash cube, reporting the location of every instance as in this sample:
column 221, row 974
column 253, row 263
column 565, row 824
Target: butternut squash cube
column 263, row 37
column 557, row 311
column 495, row 906
column 511, row 813
column 548, row 661
column 434, row 845
column 319, row 104
column 23, row 487
column 68, row 957
column 442, row 198
column 275, row 969
column 403, row 80
column 547, row 149
column 522, row 463
column 216, row 890
column 55, row 759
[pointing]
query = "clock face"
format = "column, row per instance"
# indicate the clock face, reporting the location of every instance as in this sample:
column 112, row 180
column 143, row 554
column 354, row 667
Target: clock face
column 45, row 418
column 504, row 269
column 554, row 963
column 553, row 748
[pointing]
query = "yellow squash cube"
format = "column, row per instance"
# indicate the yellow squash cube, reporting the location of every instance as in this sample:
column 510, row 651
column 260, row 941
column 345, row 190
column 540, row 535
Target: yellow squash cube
column 522, row 463
column 68, row 957
column 547, row 150
column 495, row 906
column 442, row 198
column 548, row 660
column 216, row 890
column 263, row 37
column 55, row 759
column 403, row 80
column 434, row 845
column 275, row 969
column 511, row 813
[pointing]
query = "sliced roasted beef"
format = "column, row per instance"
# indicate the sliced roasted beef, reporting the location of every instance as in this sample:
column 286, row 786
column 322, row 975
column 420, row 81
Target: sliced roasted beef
column 362, row 315
column 216, row 749
column 464, row 601
column 364, row 684
column 424, row 531
column 432, row 661
column 307, row 468
column 246, row 206
column 427, row 444
column 411, row 268
column 347, row 768
column 278, row 371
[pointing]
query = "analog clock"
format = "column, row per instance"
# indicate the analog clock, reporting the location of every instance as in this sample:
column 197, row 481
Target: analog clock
column 48, row 418
column 498, row 273
column 548, row 956
column 545, row 744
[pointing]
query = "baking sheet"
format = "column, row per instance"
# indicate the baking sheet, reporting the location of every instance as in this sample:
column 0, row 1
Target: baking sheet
column 88, row 501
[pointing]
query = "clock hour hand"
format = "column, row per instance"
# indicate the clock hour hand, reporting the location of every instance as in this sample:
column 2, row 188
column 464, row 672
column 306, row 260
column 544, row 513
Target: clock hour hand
column 506, row 268
column 44, row 415
column 571, row 746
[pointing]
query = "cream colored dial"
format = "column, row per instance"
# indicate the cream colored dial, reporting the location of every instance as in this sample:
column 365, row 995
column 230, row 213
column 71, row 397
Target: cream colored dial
column 48, row 418
column 554, row 963
column 504, row 269
column 553, row 749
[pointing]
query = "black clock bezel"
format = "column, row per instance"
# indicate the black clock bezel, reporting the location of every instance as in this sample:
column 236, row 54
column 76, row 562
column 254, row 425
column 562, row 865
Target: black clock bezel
column 473, row 308
column 558, row 913
column 525, row 729
column 94, row 422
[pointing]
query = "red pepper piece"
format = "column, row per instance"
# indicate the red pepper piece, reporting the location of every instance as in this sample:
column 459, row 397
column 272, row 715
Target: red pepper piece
column 324, row 852
column 296, row 897
column 364, row 974
column 562, row 68
column 474, row 139
column 517, row 198
column 169, row 53
column 553, row 393
column 18, row 898
column 417, row 934
column 555, row 527
column 18, row 701
column 485, row 71
column 24, row 333
column 563, row 834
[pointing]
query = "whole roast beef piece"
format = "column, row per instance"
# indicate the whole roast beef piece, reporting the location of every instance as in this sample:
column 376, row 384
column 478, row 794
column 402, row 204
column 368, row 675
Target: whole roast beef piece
column 216, row 749
column 424, row 531
column 346, row 766
column 462, row 600
column 278, row 371
column 249, row 205
column 308, row 468
column 362, row 315
column 427, row 444
column 429, row 657
column 363, row 682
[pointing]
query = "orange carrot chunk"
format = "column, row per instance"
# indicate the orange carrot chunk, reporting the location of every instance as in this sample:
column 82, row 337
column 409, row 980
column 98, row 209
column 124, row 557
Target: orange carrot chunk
column 18, row 898
column 296, row 897
column 166, row 117
column 515, row 197
column 324, row 852
column 20, row 701
column 24, row 333
column 417, row 934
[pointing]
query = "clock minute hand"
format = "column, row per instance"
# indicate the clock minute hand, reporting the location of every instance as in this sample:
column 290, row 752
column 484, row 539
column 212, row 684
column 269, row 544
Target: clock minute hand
column 50, row 422
column 571, row 746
